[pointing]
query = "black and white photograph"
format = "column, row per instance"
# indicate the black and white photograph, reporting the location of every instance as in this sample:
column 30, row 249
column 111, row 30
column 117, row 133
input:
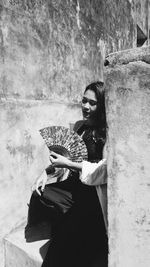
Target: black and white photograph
column 75, row 133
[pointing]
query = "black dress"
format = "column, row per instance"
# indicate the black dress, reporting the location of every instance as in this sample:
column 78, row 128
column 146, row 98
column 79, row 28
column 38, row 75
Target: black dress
column 78, row 231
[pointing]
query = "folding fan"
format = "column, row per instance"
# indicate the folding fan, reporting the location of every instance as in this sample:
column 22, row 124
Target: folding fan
column 65, row 142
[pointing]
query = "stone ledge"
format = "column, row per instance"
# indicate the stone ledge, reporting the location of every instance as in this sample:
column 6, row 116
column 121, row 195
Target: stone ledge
column 19, row 253
column 127, row 56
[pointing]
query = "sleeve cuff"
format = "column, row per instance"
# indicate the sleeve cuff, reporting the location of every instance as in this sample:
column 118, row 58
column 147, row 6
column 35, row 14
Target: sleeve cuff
column 94, row 173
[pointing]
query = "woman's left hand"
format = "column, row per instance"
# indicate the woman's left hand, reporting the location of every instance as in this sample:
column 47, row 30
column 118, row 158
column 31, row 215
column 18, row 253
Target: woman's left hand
column 40, row 183
column 58, row 160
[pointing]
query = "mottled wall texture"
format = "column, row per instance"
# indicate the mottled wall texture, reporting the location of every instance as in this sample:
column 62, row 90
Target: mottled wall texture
column 49, row 51
column 128, row 115
column 117, row 25
column 142, row 9
column 48, row 55
column 141, row 15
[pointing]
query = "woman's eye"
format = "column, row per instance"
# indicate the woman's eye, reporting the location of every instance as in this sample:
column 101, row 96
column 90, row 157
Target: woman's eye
column 91, row 102
column 84, row 101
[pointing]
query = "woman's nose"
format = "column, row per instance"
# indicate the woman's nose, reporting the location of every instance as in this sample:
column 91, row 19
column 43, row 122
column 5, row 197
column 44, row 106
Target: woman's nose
column 87, row 105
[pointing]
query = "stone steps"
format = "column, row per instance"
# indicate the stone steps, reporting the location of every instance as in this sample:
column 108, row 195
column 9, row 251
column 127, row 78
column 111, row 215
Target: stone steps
column 19, row 253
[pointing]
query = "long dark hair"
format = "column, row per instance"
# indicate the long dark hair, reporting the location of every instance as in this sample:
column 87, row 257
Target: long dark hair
column 99, row 90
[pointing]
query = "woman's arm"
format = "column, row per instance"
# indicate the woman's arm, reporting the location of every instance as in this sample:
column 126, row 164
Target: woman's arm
column 91, row 173
column 62, row 162
column 94, row 173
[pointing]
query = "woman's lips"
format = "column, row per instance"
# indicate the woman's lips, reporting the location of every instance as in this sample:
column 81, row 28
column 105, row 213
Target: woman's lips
column 86, row 114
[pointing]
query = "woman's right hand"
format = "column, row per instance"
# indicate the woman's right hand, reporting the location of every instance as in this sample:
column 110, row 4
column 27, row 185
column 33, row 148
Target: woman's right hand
column 59, row 161
column 40, row 182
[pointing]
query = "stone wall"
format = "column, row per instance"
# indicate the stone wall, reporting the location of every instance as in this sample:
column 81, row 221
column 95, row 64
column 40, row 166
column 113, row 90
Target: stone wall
column 128, row 115
column 47, row 57
column 117, row 25
column 49, row 52
column 142, row 16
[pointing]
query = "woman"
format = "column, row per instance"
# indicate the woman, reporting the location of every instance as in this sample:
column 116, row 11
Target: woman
column 93, row 174
column 79, row 236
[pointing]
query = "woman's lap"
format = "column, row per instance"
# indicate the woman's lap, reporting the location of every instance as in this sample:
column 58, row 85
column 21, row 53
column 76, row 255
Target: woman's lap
column 80, row 239
column 56, row 199
column 77, row 224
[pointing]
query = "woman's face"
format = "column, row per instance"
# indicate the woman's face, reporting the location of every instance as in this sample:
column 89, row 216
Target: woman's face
column 89, row 105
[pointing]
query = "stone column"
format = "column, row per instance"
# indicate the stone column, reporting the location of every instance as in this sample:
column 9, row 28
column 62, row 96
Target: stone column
column 128, row 115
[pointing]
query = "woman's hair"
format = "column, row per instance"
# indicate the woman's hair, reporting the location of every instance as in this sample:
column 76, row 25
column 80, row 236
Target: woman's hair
column 98, row 88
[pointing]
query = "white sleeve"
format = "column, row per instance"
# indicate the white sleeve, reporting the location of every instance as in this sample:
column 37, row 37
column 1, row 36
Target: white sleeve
column 94, row 173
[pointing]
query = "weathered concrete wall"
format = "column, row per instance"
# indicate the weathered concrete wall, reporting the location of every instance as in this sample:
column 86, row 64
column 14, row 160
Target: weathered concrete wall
column 21, row 151
column 47, row 57
column 128, row 114
column 142, row 14
column 49, row 51
column 148, row 22
column 46, row 46
column 117, row 25
column 46, row 50
column 113, row 23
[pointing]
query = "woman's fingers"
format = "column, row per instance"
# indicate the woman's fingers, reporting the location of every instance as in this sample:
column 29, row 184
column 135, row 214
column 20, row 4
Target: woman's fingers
column 56, row 162
column 43, row 183
column 54, row 154
column 52, row 160
column 37, row 187
column 40, row 183
column 33, row 187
